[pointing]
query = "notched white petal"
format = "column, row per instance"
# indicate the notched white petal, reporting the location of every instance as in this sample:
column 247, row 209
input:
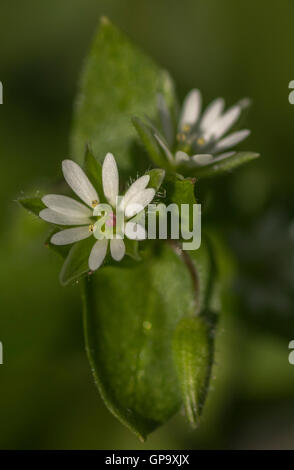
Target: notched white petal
column 139, row 201
column 135, row 231
column 117, row 249
column 181, row 156
column 202, row 159
column 231, row 140
column 110, row 179
column 138, row 185
column 66, row 205
column 191, row 109
column 223, row 124
column 70, row 235
column 63, row 219
column 98, row 254
column 212, row 112
column 79, row 182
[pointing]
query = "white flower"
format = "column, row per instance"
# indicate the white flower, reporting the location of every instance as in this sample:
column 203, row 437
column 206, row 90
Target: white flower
column 199, row 138
column 86, row 219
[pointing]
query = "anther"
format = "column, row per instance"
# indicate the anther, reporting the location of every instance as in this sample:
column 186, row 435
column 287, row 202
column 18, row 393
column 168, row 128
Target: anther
column 201, row 141
column 186, row 128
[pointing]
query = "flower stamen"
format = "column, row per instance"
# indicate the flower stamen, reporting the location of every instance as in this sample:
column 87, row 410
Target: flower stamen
column 201, row 141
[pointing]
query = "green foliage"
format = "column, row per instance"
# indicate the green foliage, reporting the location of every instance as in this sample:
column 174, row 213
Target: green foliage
column 156, row 178
column 76, row 263
column 148, row 324
column 118, row 81
column 131, row 314
column 34, row 205
column 93, row 170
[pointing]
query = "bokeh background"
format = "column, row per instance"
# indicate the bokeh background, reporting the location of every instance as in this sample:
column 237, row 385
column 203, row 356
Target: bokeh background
column 226, row 48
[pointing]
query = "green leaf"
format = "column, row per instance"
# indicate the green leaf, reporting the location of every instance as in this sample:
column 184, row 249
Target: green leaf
column 193, row 354
column 130, row 315
column 76, row 263
column 202, row 264
column 218, row 167
column 118, row 81
column 150, row 143
column 34, row 205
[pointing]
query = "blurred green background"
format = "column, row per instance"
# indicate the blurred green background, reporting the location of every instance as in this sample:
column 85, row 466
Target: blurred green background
column 225, row 48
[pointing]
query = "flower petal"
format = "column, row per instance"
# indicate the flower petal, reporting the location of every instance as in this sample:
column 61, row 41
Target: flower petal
column 191, row 109
column 135, row 231
column 222, row 156
column 165, row 148
column 70, row 235
column 110, row 178
column 223, row 124
column 231, row 140
column 79, row 182
column 139, row 201
column 202, row 159
column 66, row 205
column 212, row 112
column 181, row 157
column 135, row 188
column 117, row 249
column 98, row 254
column 63, row 219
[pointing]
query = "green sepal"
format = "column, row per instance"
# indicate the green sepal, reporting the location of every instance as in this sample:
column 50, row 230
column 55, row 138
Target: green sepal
column 76, row 263
column 34, row 205
column 150, row 143
column 156, row 178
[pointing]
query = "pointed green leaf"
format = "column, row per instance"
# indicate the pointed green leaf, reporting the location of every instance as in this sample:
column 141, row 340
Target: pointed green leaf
column 130, row 315
column 34, row 205
column 216, row 168
column 76, row 264
column 118, row 81
column 193, row 354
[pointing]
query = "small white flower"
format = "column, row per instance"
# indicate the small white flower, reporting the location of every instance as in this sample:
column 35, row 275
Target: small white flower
column 86, row 218
column 199, row 138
